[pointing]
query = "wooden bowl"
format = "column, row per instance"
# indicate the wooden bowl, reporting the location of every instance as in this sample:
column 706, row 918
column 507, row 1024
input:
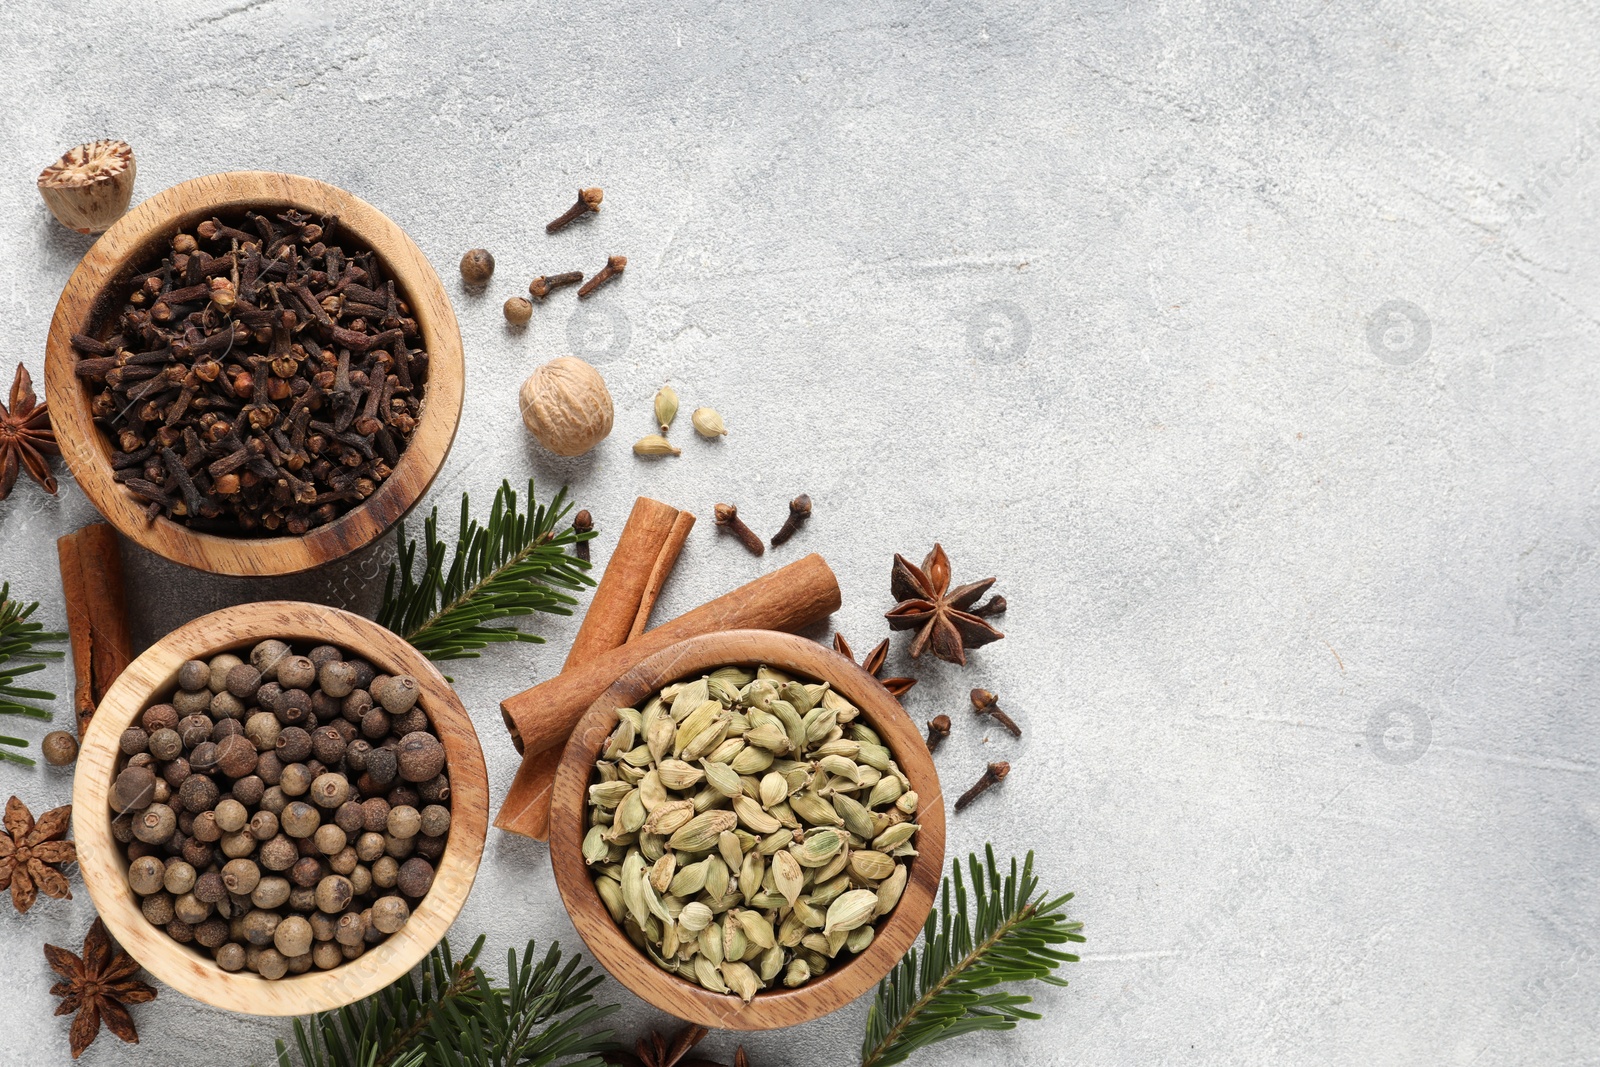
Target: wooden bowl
column 105, row 869
column 94, row 294
column 672, row 994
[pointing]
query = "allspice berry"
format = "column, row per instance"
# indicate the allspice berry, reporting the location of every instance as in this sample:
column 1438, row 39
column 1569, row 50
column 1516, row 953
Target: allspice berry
column 241, row 876
column 272, row 964
column 337, row 679
column 266, row 656
column 477, row 267
column 155, row 825
column 435, row 820
column 294, row 744
column 398, row 695
column 236, row 756
column 230, row 956
column 135, row 788
column 220, row 666
column 329, row 790
column 146, row 875
column 59, row 747
column 194, row 676
column 300, row 819
column 389, row 914
column 278, row 854
column 180, row 878
column 133, row 741
column 404, row 822
column 296, row 672
column 243, row 681
column 421, row 757
column 415, row 878
column 351, row 929
column 272, row 892
column 334, row 894
column 566, row 406
column 518, row 310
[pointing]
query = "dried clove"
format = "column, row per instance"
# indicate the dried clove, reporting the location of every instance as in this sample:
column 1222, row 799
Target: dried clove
column 993, row 775
column 615, row 265
column 938, row 730
column 728, row 519
column 983, row 702
column 799, row 512
column 545, row 284
column 582, row 523
column 251, row 332
column 588, row 201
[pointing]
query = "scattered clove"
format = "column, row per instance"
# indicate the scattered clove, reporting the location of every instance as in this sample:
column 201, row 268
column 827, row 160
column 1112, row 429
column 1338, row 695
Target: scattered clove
column 545, row 284
column 799, row 512
column 992, row 776
column 588, row 201
column 983, row 702
column 582, row 523
column 615, row 265
column 938, row 730
column 728, row 519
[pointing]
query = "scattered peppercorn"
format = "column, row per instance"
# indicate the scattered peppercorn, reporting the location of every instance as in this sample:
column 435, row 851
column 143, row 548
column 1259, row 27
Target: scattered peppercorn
column 59, row 747
column 477, row 267
column 518, row 310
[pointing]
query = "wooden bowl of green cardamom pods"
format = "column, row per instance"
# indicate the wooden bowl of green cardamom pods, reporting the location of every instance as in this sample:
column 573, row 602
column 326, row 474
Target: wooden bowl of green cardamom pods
column 883, row 859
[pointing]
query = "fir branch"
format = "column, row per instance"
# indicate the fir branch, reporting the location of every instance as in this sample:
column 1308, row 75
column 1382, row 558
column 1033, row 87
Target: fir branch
column 1007, row 938
column 513, row 566
column 18, row 637
column 450, row 1014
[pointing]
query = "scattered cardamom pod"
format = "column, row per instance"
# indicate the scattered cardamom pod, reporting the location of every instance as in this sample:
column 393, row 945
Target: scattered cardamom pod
column 707, row 423
column 666, row 407
column 655, row 445
column 745, row 830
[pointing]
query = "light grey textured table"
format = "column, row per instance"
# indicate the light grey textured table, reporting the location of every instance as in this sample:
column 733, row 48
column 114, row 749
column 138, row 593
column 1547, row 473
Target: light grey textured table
column 1252, row 350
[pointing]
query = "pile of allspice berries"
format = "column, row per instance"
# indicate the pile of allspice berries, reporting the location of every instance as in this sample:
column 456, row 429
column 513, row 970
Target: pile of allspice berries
column 282, row 812
column 747, row 830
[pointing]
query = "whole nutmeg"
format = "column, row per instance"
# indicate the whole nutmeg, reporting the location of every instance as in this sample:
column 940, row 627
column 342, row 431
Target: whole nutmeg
column 135, row 788
column 193, row 676
column 477, row 267
column 421, row 756
column 566, row 406
column 89, row 187
column 59, row 747
column 296, row 672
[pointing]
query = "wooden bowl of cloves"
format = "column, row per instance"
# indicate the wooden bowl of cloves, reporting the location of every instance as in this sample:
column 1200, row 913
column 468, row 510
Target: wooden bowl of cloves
column 254, row 374
column 193, row 968
column 756, row 920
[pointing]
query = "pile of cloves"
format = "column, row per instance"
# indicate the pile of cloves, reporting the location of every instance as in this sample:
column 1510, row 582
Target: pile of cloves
column 261, row 378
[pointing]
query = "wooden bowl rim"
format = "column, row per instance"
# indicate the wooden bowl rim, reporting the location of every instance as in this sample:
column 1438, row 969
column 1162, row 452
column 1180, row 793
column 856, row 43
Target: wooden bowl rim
column 104, row 868
column 606, row 940
column 126, row 245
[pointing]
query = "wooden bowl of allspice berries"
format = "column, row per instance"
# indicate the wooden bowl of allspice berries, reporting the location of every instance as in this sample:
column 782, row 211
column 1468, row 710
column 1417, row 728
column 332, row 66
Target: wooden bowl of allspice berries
column 747, row 830
column 254, row 373
column 280, row 808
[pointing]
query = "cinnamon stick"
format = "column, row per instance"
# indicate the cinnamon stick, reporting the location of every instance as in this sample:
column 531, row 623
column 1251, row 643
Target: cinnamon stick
column 791, row 598
column 645, row 554
column 97, row 615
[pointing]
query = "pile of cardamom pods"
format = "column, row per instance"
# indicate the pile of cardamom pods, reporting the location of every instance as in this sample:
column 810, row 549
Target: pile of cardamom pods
column 745, row 828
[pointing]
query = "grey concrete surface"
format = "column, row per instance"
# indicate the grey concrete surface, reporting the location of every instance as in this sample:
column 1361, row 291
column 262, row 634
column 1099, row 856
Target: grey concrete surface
column 1251, row 346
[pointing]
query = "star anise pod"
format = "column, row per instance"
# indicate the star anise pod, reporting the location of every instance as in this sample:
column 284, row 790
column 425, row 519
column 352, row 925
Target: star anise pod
column 874, row 664
column 98, row 986
column 948, row 626
column 25, row 437
column 30, row 852
column 654, row 1050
